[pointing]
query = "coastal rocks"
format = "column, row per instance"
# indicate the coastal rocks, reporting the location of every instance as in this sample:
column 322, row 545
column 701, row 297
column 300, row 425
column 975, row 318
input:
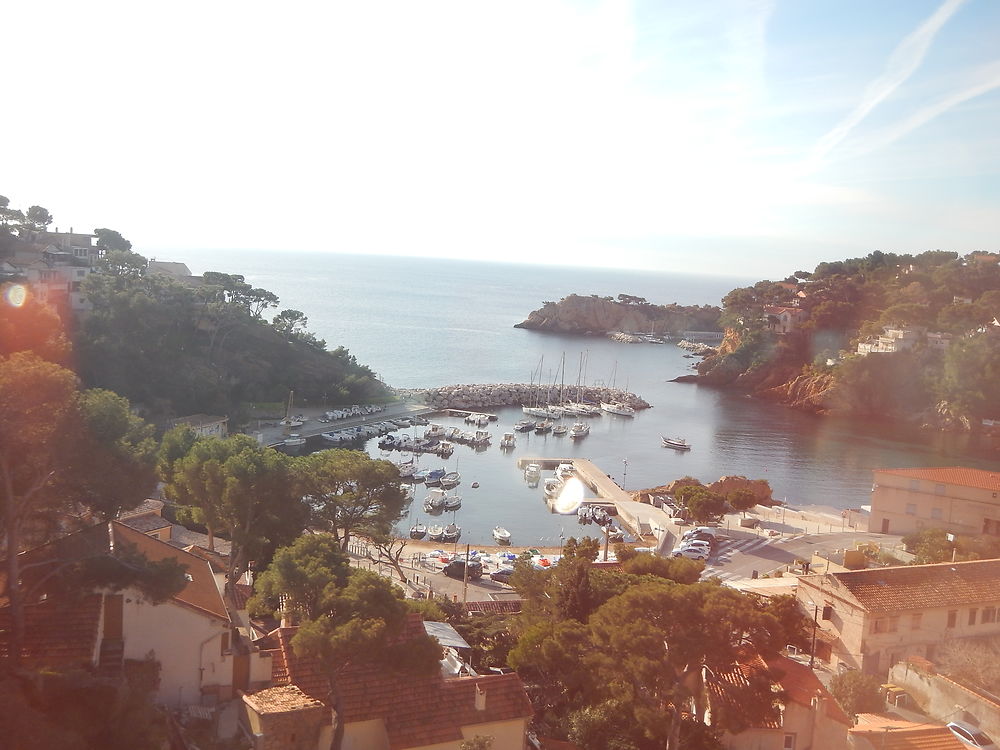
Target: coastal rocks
column 696, row 347
column 514, row 394
column 600, row 315
column 724, row 486
column 816, row 393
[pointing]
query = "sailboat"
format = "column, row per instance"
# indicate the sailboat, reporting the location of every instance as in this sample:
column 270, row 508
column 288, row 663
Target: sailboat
column 418, row 530
column 536, row 409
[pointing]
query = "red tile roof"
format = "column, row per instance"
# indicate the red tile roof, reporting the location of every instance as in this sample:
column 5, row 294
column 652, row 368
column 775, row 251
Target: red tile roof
column 416, row 711
column 917, row 586
column 279, row 700
column 201, row 592
column 56, row 634
column 958, row 475
column 889, row 733
column 801, row 685
column 724, row 692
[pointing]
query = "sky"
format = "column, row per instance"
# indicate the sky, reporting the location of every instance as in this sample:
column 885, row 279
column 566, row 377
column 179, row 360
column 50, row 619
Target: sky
column 751, row 137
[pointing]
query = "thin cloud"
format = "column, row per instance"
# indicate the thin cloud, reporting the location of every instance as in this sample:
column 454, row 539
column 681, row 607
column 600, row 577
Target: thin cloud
column 902, row 63
column 984, row 80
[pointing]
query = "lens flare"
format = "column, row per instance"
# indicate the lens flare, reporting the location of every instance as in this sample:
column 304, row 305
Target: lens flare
column 570, row 497
column 16, row 295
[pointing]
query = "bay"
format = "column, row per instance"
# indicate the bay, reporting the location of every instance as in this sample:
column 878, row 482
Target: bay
column 427, row 322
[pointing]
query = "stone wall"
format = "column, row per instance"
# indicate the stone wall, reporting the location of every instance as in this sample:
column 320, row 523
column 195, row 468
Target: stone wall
column 946, row 700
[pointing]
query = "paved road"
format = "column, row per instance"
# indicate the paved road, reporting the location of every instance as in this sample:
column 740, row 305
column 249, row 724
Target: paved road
column 737, row 558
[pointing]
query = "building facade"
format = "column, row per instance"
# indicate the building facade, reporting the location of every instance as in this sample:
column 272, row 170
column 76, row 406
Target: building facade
column 956, row 499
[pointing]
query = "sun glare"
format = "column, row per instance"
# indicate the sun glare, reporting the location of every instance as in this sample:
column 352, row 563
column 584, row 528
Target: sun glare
column 570, row 497
column 16, row 295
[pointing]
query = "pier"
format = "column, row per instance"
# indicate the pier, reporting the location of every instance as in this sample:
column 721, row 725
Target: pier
column 640, row 518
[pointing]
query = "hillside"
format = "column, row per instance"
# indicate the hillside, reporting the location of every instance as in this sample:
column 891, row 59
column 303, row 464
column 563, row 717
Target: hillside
column 600, row 315
column 899, row 337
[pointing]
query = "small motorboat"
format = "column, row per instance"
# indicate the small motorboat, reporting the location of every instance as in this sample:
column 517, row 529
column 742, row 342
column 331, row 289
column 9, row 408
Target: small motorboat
column 564, row 471
column 293, row 443
column 434, row 477
column 435, row 533
column 560, row 429
column 579, row 430
column 532, row 471
column 451, row 533
column 420, row 476
column 407, row 469
column 451, row 479
column 508, row 441
column 525, row 425
column 678, row 444
column 475, row 485
column 543, row 427
column 418, row 531
column 501, row 535
column 452, row 502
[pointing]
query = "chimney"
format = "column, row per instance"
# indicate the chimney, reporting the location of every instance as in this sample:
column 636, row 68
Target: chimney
column 480, row 698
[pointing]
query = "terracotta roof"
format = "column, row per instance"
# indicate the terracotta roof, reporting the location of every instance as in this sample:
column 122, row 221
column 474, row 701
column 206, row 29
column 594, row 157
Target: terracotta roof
column 429, row 710
column 724, row 692
column 56, row 635
column 289, row 669
column 218, row 561
column 416, row 711
column 201, row 592
column 505, row 607
column 958, row 475
column 279, row 700
column 240, row 594
column 801, row 685
column 919, row 586
column 889, row 733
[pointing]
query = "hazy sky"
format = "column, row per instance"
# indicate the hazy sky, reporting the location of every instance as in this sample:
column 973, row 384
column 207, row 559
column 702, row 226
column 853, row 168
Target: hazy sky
column 730, row 136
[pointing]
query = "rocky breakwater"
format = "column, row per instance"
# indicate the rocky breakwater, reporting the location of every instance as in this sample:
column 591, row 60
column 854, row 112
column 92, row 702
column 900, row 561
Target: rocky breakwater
column 595, row 315
column 515, row 394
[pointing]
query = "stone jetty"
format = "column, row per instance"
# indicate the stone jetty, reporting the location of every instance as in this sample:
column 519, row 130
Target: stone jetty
column 514, row 394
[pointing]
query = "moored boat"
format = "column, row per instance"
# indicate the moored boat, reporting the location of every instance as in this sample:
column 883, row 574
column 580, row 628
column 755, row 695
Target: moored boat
column 451, row 533
column 560, row 429
column 542, row 427
column 525, row 425
column 418, row 531
column 508, row 441
column 452, row 502
column 434, row 477
column 451, row 479
column 617, row 407
column 552, row 487
column 579, row 430
column 678, row 444
column 435, row 532
column 501, row 535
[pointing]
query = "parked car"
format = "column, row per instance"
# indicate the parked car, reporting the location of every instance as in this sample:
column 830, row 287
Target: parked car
column 691, row 553
column 971, row 735
column 502, row 576
column 696, row 544
column 702, row 530
column 456, row 569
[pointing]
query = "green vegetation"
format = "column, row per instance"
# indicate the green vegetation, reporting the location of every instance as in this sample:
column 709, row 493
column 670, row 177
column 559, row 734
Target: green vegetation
column 849, row 301
column 933, row 546
column 856, row 692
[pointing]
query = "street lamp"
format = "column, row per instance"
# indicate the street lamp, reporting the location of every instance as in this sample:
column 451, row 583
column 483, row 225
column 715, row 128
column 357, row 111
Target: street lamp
column 625, row 473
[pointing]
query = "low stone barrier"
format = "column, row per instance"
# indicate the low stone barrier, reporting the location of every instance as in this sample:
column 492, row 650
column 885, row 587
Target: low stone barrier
column 482, row 396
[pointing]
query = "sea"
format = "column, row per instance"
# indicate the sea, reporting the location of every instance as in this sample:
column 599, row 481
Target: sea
column 421, row 322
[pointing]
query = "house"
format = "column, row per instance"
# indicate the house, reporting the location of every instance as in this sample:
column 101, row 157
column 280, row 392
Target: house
column 809, row 717
column 873, row 618
column 382, row 710
column 168, row 268
column 784, row 319
column 893, row 339
column 204, row 425
column 876, row 732
column 954, row 498
column 202, row 660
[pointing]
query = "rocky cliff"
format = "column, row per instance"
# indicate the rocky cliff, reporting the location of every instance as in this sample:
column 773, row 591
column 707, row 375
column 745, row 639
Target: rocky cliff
column 601, row 315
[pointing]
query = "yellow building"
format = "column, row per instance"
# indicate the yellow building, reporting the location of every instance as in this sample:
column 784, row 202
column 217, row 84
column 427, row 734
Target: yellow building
column 953, row 498
column 876, row 617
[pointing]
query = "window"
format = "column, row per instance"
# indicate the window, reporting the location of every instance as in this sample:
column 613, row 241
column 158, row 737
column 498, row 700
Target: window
column 879, row 625
column 938, row 489
column 911, row 509
column 972, row 616
column 991, row 526
column 936, row 514
column 952, row 618
column 789, row 742
column 224, row 644
column 893, row 624
column 915, row 620
column 914, row 485
column 989, row 614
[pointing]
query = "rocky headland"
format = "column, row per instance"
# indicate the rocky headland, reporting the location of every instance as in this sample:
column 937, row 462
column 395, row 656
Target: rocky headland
column 482, row 396
column 599, row 316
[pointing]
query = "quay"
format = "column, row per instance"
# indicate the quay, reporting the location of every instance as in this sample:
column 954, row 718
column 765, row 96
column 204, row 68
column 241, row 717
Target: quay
column 641, row 519
column 271, row 433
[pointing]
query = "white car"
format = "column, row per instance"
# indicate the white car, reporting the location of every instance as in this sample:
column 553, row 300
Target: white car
column 971, row 735
column 691, row 553
column 696, row 544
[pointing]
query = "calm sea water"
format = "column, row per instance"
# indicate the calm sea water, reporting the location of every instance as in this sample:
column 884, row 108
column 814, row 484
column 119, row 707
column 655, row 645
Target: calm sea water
column 423, row 322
